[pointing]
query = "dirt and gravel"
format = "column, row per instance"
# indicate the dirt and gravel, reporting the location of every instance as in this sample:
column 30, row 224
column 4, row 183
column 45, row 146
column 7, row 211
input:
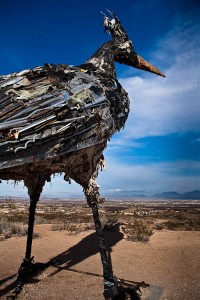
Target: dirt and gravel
column 170, row 263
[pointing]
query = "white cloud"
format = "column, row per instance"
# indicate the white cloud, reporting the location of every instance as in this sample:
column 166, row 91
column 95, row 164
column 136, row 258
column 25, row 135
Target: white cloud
column 119, row 141
column 162, row 106
column 115, row 190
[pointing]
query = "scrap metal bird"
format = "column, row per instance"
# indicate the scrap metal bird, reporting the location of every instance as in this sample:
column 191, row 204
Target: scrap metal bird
column 58, row 118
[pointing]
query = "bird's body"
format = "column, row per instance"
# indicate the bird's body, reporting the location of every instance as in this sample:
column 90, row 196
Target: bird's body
column 58, row 118
column 48, row 113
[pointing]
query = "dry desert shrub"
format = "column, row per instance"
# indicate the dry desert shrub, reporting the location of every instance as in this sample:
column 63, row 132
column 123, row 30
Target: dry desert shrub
column 40, row 220
column 10, row 203
column 71, row 228
column 8, row 229
column 184, row 224
column 108, row 220
column 76, row 223
column 18, row 217
column 159, row 226
column 57, row 227
column 137, row 231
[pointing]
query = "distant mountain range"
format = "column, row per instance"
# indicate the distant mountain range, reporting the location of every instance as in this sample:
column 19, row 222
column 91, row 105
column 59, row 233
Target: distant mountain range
column 193, row 195
column 123, row 194
column 120, row 195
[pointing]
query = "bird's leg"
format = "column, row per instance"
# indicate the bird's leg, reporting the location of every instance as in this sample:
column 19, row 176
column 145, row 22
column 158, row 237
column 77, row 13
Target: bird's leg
column 110, row 283
column 35, row 185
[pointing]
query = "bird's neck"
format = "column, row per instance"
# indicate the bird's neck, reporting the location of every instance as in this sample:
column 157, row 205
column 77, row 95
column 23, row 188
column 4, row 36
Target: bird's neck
column 102, row 61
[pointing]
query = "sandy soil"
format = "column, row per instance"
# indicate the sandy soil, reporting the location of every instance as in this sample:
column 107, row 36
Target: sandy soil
column 170, row 263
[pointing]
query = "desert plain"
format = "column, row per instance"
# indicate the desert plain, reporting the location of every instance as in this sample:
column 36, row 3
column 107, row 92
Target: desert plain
column 65, row 248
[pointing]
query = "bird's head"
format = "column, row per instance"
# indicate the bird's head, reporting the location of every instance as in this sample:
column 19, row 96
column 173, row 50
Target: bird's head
column 124, row 52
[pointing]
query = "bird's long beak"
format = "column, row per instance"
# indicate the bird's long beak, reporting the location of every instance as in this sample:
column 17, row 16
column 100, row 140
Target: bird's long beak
column 138, row 62
column 142, row 64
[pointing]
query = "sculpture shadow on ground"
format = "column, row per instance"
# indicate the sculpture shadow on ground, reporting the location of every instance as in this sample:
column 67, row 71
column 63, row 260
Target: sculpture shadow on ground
column 86, row 248
column 74, row 255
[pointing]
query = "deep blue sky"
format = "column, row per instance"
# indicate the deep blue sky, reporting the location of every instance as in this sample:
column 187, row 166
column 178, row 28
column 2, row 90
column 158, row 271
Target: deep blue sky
column 159, row 148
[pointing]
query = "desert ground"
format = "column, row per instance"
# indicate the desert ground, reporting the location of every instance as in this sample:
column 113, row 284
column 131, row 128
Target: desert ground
column 169, row 262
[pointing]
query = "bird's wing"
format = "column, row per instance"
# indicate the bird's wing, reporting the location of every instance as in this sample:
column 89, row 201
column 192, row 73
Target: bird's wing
column 47, row 110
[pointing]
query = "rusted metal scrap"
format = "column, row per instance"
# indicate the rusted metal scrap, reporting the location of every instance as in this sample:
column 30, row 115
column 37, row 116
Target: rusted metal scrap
column 48, row 111
column 58, row 118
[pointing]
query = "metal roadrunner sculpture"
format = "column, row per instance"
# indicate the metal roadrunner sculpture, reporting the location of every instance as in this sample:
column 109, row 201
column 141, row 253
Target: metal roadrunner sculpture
column 58, row 118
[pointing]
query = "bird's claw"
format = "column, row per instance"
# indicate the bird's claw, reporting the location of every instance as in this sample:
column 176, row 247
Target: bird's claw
column 110, row 289
column 26, row 267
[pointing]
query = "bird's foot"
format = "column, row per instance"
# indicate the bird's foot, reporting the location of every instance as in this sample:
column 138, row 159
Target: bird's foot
column 24, row 270
column 110, row 289
column 26, row 267
column 119, row 289
column 129, row 291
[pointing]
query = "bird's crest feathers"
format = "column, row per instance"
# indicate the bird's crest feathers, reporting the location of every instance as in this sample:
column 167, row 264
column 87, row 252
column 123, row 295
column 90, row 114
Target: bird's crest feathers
column 114, row 27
